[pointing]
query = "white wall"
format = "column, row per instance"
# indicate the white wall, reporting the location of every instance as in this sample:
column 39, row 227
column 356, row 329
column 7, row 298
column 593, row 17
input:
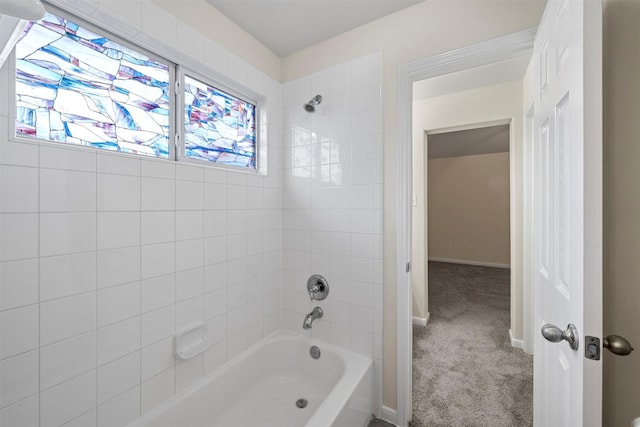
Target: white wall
column 104, row 256
column 477, row 106
column 419, row 230
column 232, row 42
column 333, row 206
column 420, row 31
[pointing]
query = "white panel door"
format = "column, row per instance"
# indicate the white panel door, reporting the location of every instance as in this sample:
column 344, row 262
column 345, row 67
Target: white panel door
column 568, row 210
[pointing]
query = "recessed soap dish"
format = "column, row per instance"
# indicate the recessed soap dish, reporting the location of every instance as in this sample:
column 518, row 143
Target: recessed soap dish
column 192, row 341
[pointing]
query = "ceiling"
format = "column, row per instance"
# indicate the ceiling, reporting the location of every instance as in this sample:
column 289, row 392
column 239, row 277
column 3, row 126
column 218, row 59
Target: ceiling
column 486, row 75
column 285, row 26
column 471, row 142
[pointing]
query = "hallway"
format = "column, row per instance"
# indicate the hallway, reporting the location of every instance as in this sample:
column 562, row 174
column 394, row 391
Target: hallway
column 465, row 372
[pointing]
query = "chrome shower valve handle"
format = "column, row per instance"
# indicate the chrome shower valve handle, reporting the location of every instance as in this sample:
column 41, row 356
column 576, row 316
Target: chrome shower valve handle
column 318, row 287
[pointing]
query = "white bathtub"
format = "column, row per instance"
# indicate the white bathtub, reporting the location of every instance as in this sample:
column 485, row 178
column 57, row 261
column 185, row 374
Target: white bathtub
column 260, row 387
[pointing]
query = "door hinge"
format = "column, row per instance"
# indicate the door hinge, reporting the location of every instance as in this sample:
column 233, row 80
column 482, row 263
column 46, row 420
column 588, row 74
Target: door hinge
column 408, row 267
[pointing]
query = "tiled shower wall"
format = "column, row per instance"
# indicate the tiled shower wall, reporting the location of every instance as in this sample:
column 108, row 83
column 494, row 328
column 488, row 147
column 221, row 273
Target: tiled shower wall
column 103, row 257
column 333, row 206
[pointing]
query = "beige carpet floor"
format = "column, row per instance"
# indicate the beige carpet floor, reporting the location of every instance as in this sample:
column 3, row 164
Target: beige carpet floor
column 465, row 372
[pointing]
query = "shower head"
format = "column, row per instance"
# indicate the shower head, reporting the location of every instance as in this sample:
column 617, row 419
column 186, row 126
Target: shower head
column 310, row 107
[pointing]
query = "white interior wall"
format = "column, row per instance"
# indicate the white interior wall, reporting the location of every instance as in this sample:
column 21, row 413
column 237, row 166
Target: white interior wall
column 333, row 206
column 419, row 231
column 482, row 105
column 103, row 256
column 232, row 41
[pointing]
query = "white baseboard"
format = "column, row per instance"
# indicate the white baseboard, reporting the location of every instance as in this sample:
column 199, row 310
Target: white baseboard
column 389, row 415
column 421, row 321
column 460, row 261
column 514, row 342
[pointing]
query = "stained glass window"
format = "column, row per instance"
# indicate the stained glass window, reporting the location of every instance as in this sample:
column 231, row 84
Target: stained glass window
column 79, row 87
column 218, row 126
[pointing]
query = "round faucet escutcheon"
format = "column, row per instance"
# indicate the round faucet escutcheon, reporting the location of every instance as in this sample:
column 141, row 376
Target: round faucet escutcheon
column 318, row 287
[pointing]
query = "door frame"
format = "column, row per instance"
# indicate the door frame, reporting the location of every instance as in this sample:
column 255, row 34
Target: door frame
column 528, row 210
column 484, row 53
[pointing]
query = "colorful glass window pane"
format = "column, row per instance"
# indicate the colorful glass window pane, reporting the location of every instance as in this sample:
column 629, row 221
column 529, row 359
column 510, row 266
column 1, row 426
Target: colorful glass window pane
column 218, row 127
column 78, row 87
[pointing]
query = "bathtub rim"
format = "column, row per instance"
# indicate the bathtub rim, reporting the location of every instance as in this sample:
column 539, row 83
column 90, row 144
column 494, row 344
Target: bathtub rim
column 355, row 368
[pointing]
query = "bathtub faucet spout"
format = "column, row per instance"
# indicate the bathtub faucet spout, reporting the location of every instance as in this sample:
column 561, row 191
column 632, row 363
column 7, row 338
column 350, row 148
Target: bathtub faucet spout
column 316, row 313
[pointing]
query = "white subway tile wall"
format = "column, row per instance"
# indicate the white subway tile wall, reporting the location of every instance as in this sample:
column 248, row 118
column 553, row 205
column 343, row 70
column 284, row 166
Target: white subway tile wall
column 104, row 256
column 332, row 207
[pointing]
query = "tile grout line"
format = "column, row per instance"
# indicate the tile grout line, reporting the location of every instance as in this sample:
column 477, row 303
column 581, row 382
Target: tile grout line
column 140, row 286
column 39, row 295
column 175, row 276
column 96, row 288
column 202, row 283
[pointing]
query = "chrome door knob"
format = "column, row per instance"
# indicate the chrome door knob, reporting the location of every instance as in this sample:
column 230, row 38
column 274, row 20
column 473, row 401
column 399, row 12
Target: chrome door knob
column 554, row 334
column 617, row 345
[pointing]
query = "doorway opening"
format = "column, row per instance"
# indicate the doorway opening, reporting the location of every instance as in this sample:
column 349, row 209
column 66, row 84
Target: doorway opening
column 461, row 195
column 464, row 60
column 467, row 185
column 464, row 359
